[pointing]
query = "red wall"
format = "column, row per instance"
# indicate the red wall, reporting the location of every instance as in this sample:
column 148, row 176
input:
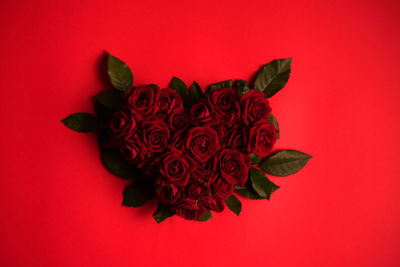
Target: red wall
column 60, row 207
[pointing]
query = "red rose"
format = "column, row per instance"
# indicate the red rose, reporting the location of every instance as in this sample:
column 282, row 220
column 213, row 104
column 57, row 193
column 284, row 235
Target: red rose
column 133, row 150
column 221, row 129
column 221, row 188
column 254, row 107
column 212, row 203
column 175, row 168
column 123, row 124
column 143, row 101
column 224, row 103
column 178, row 141
column 195, row 189
column 189, row 209
column 168, row 193
column 169, row 101
column 202, row 143
column 205, row 171
column 151, row 166
column 200, row 113
column 234, row 166
column 178, row 120
column 237, row 139
column 262, row 137
column 155, row 135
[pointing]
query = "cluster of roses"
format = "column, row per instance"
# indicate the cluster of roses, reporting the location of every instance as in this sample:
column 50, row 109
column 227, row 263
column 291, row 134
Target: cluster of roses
column 195, row 154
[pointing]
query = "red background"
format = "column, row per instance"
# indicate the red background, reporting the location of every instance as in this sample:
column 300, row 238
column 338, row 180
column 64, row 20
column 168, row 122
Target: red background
column 60, row 207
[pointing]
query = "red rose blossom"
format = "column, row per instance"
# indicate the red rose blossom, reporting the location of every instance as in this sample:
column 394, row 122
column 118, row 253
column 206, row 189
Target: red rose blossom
column 133, row 150
column 178, row 120
column 225, row 105
column 234, row 166
column 143, row 101
column 220, row 188
column 168, row 193
column 212, row 203
column 200, row 113
column 169, row 101
column 189, row 209
column 175, row 168
column 254, row 107
column 202, row 143
column 196, row 189
column 155, row 135
column 262, row 137
column 205, row 171
column 123, row 124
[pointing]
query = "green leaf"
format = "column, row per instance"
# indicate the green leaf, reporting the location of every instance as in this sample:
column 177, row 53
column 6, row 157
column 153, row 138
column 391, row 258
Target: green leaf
column 195, row 93
column 273, row 120
column 116, row 164
column 273, row 76
column 255, row 159
column 104, row 114
column 138, row 193
column 206, row 216
column 261, row 184
column 81, row 122
column 285, row 162
column 162, row 212
column 247, row 192
column 242, row 87
column 234, row 204
column 220, row 85
column 121, row 76
column 180, row 87
column 111, row 99
column 154, row 86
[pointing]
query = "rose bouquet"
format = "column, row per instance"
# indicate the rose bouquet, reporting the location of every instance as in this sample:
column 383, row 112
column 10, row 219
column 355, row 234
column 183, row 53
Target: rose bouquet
column 191, row 150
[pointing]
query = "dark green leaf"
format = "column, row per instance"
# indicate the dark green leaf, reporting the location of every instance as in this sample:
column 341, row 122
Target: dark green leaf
column 121, row 76
column 195, row 93
column 116, row 164
column 247, row 192
column 103, row 113
column 285, row 162
column 255, row 159
column 242, row 87
column 261, row 184
column 154, row 86
column 163, row 212
column 273, row 120
column 234, row 204
column 273, row 76
column 82, row 122
column 138, row 193
column 180, row 87
column 206, row 216
column 111, row 99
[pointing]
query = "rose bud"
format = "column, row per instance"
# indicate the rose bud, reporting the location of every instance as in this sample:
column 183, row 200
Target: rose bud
column 212, row 203
column 262, row 137
column 169, row 101
column 175, row 168
column 178, row 120
column 194, row 189
column 202, row 143
column 200, row 113
column 225, row 105
column 133, row 150
column 123, row 124
column 168, row 193
column 143, row 101
column 221, row 188
column 155, row 135
column 234, row 166
column 189, row 209
column 254, row 107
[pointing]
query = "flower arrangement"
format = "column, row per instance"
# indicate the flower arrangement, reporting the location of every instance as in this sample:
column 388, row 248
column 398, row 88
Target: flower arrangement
column 191, row 150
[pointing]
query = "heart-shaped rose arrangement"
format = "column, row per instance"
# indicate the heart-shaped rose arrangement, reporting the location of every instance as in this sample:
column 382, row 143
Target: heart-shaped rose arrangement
column 191, row 149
